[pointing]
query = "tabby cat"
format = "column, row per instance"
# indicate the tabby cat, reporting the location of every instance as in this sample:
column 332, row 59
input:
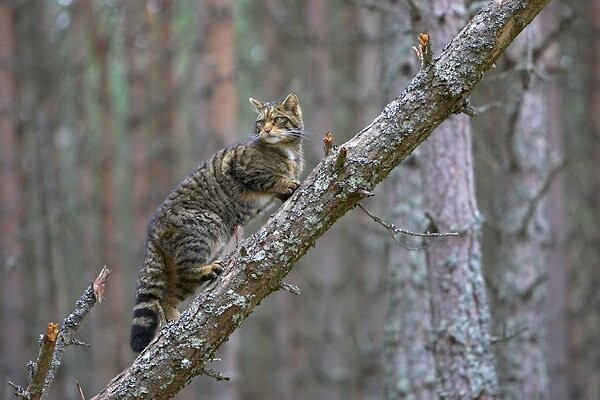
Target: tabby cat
column 198, row 218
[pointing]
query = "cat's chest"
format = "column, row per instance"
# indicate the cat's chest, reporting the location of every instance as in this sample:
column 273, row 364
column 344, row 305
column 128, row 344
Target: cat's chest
column 290, row 154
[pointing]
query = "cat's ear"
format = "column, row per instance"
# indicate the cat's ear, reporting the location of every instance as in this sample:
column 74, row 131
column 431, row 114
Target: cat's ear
column 258, row 105
column 291, row 103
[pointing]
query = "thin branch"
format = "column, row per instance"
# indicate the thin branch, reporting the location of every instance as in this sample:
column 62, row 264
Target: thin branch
column 394, row 230
column 467, row 108
column 293, row 289
column 80, row 391
column 215, row 374
column 327, row 143
column 423, row 51
column 70, row 326
column 341, row 158
column 506, row 337
column 19, row 391
column 539, row 195
column 42, row 363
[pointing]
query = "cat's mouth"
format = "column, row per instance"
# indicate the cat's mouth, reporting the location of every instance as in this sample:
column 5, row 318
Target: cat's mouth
column 272, row 137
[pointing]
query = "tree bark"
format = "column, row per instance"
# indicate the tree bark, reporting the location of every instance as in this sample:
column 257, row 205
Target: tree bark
column 183, row 348
column 460, row 317
column 408, row 362
column 519, row 272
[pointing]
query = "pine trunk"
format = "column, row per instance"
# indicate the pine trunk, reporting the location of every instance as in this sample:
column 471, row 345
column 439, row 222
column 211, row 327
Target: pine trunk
column 460, row 318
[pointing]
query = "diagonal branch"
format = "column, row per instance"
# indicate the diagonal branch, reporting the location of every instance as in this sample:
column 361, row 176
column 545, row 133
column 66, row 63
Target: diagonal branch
column 259, row 265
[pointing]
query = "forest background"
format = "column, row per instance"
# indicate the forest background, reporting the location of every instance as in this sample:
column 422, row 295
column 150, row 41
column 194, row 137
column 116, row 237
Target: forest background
column 106, row 105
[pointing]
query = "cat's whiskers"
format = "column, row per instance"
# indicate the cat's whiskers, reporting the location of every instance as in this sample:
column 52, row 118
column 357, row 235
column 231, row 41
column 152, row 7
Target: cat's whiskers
column 299, row 133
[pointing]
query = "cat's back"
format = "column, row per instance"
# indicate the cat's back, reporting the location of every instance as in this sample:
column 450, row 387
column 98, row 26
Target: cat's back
column 211, row 189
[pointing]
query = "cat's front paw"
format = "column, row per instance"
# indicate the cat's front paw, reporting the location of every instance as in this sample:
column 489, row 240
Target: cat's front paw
column 290, row 187
column 211, row 271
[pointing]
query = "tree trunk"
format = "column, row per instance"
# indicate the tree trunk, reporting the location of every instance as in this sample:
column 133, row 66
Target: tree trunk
column 222, row 131
column 137, row 64
column 408, row 361
column 100, row 48
column 518, row 275
column 324, row 344
column 557, row 350
column 343, row 178
column 220, row 59
column 460, row 319
column 584, row 274
column 12, row 284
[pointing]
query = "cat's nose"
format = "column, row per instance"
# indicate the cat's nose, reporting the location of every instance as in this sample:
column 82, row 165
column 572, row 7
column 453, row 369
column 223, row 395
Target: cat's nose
column 267, row 129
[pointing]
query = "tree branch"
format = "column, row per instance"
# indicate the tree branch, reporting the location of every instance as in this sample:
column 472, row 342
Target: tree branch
column 257, row 268
column 71, row 324
column 54, row 342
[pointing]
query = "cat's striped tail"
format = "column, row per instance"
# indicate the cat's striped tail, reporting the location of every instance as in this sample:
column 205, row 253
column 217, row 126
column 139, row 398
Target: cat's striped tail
column 150, row 291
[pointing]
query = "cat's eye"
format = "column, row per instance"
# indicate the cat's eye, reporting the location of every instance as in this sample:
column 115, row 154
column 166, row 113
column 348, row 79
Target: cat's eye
column 280, row 120
column 260, row 123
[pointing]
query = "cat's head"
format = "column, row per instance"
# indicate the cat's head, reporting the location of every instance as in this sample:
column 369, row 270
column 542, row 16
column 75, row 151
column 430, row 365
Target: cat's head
column 278, row 121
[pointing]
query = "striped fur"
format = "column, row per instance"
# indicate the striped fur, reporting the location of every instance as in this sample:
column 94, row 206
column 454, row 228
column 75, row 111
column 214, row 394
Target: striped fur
column 191, row 227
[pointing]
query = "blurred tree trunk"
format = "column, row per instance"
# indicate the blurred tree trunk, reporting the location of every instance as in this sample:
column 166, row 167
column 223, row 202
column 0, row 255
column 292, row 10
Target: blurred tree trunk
column 460, row 319
column 87, row 212
column 520, row 270
column 116, row 342
column 316, row 14
column 286, row 330
column 136, row 58
column 324, row 344
column 584, row 273
column 12, row 274
column 220, row 74
column 222, row 131
column 363, row 307
column 408, row 361
column 556, row 298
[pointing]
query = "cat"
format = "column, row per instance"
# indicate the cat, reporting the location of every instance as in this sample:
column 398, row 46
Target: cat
column 198, row 218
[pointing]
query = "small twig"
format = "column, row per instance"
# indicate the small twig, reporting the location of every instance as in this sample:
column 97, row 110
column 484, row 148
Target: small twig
column 467, row 108
column 19, row 391
column 81, row 396
column 293, row 289
column 42, row 363
column 423, row 50
column 215, row 374
column 75, row 342
column 341, row 158
column 533, row 203
column 395, row 230
column 365, row 193
column 327, row 143
column 506, row 338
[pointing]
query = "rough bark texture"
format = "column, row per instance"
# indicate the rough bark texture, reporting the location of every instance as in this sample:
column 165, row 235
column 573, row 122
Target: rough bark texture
column 183, row 347
column 519, row 273
column 460, row 318
column 408, row 362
